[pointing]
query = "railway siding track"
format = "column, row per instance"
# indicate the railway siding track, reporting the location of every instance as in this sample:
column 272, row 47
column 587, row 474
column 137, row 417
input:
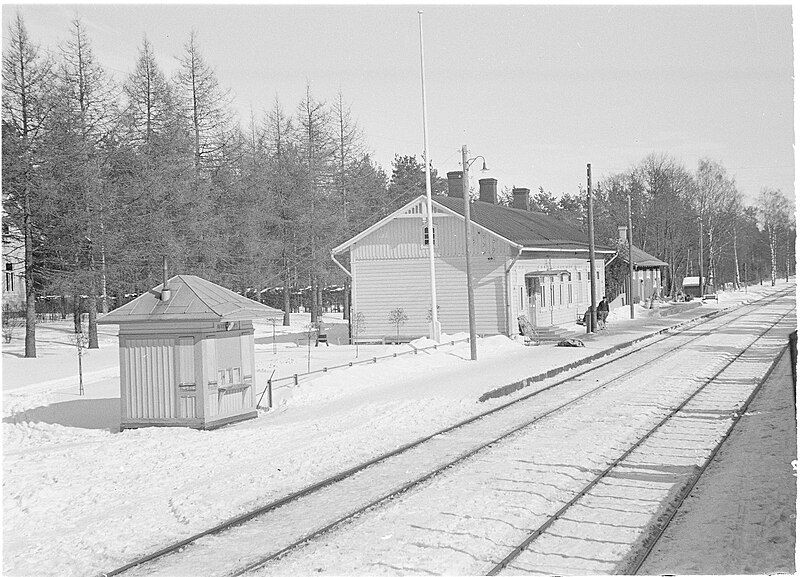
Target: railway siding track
column 652, row 477
column 354, row 491
column 467, row 518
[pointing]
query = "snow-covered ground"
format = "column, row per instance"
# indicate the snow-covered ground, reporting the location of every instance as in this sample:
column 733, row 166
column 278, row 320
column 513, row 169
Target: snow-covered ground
column 79, row 497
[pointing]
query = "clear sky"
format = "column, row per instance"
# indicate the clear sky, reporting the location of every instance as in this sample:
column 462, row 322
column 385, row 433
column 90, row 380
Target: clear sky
column 539, row 91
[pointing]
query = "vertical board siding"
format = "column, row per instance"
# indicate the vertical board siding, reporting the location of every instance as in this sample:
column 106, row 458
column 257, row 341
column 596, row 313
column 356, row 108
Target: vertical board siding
column 212, row 409
column 149, row 383
column 246, row 348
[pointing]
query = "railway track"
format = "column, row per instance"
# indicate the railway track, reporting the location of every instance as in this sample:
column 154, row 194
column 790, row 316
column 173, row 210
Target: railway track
column 714, row 392
column 240, row 541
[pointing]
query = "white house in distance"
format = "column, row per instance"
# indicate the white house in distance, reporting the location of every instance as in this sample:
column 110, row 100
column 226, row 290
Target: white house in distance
column 523, row 263
column 13, row 268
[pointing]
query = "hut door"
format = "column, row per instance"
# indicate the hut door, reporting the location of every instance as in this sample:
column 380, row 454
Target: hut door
column 187, row 386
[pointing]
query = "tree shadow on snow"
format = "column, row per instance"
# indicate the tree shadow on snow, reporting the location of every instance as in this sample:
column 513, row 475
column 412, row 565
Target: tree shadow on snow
column 80, row 413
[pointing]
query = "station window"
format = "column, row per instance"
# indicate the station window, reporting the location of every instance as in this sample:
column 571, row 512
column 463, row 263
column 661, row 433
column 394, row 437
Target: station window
column 425, row 236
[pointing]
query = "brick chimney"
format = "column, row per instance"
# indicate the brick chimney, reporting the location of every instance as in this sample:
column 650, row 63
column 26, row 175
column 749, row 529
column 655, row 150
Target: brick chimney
column 488, row 190
column 455, row 187
column 521, row 198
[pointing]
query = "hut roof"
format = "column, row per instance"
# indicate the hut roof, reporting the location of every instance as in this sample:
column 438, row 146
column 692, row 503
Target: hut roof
column 192, row 299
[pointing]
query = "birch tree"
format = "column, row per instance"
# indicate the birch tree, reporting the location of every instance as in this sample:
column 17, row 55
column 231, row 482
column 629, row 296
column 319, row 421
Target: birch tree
column 773, row 208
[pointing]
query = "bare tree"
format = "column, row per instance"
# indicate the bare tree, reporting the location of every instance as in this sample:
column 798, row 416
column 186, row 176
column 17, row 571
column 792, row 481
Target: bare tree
column 773, row 208
column 27, row 102
column 317, row 148
column 88, row 113
column 149, row 98
column 715, row 200
column 204, row 105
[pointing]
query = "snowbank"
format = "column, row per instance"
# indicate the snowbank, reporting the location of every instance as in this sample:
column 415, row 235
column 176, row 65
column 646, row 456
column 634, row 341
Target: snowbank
column 80, row 498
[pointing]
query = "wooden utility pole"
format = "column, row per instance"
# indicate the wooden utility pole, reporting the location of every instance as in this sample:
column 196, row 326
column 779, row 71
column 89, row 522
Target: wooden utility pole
column 736, row 278
column 592, row 283
column 700, row 260
column 473, row 346
column 630, row 258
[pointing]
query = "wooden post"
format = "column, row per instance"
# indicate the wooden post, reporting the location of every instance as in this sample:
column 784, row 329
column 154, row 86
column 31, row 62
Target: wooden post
column 630, row 257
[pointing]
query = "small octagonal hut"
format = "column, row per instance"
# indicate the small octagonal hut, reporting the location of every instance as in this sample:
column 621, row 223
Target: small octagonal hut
column 186, row 355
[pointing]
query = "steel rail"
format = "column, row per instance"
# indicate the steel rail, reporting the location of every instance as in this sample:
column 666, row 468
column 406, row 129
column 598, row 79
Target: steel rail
column 632, row 567
column 536, row 533
column 411, row 484
column 296, row 495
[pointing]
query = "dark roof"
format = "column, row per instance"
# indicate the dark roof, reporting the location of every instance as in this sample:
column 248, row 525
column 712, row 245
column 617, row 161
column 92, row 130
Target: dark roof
column 192, row 298
column 641, row 259
column 524, row 227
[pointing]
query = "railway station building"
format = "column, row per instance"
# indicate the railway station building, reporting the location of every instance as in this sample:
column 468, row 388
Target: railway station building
column 523, row 263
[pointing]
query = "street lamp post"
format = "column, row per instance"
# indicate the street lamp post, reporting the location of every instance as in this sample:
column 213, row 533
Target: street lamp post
column 465, row 164
column 592, row 281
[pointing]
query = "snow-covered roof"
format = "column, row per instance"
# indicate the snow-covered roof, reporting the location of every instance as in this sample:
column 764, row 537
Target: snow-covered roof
column 192, row 298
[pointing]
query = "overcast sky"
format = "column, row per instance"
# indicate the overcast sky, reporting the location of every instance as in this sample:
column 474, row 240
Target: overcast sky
column 539, row 91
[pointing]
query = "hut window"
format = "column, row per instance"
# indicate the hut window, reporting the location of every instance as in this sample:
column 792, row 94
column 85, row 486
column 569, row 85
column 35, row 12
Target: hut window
column 425, row 236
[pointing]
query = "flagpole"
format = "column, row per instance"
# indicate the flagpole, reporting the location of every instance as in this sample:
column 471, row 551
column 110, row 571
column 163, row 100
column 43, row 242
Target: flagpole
column 435, row 329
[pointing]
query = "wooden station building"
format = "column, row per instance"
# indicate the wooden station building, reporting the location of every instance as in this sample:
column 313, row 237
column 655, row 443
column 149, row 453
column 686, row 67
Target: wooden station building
column 524, row 263
column 186, row 355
